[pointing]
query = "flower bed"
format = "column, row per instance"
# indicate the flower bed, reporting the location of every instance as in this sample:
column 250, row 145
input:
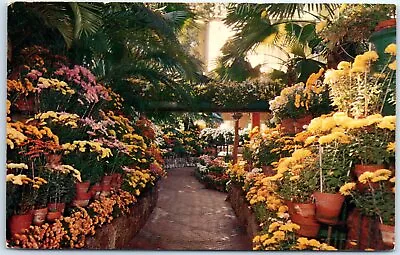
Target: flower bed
column 69, row 142
column 101, row 225
column 212, row 172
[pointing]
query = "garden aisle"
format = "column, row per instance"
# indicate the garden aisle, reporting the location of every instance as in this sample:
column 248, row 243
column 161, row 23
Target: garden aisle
column 190, row 217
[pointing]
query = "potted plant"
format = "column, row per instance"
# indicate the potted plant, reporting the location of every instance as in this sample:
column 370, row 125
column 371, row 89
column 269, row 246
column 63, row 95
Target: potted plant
column 20, row 203
column 61, row 187
column 332, row 145
column 352, row 82
column 297, row 180
column 296, row 105
column 370, row 142
column 377, row 201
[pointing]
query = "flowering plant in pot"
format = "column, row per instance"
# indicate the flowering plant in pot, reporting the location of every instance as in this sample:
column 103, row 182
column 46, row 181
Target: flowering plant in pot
column 266, row 147
column 377, row 201
column 62, row 179
column 88, row 157
column 300, row 101
column 21, row 192
column 297, row 179
column 332, row 145
column 370, row 142
column 358, row 89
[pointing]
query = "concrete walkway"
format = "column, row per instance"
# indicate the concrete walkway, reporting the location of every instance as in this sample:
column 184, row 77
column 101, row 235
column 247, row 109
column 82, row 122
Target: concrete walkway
column 190, row 217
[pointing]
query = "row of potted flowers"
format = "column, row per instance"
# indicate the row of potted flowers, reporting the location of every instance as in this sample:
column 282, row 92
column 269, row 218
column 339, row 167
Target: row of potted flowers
column 72, row 229
column 76, row 142
column 346, row 155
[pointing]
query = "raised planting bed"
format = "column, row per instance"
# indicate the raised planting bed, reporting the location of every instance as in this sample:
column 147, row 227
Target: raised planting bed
column 122, row 230
column 245, row 215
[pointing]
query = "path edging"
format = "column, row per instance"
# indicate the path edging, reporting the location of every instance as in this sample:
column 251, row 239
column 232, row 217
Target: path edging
column 245, row 215
column 123, row 229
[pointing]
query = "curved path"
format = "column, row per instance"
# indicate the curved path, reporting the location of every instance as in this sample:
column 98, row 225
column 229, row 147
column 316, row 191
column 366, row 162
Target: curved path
column 190, row 217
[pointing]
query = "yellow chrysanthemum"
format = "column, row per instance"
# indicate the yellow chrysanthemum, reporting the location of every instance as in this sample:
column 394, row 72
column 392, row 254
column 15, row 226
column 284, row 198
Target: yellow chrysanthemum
column 346, row 189
column 391, row 49
column 366, row 177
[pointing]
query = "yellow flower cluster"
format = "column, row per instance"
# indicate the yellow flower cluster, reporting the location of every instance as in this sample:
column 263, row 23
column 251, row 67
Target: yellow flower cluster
column 44, row 83
column 18, row 132
column 103, row 209
column 237, row 171
column 263, row 191
column 17, row 166
column 139, row 179
column 20, row 179
column 84, row 146
column 391, row 49
column 346, row 189
column 293, row 163
column 124, row 124
column 340, row 122
column 377, row 176
column 14, row 136
column 123, row 200
column 66, row 119
column 312, row 244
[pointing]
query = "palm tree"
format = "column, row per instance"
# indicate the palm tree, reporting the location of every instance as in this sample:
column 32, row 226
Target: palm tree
column 263, row 23
column 118, row 41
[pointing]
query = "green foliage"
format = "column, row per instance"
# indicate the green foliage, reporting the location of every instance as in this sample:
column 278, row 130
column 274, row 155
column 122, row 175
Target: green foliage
column 336, row 165
column 369, row 145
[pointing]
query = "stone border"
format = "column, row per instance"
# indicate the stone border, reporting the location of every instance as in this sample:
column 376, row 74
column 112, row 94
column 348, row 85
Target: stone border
column 242, row 209
column 123, row 229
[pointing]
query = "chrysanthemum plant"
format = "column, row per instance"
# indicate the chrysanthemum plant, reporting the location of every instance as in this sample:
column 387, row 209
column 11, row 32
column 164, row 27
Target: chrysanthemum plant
column 301, row 99
column 358, row 88
column 379, row 199
column 297, row 176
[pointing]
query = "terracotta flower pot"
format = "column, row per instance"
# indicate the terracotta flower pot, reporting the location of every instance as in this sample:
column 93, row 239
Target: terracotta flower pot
column 306, row 210
column 290, row 206
column 309, row 229
column 387, row 232
column 19, row 223
column 56, row 207
column 301, row 122
column 53, row 216
column 328, row 207
column 82, row 187
column 39, row 216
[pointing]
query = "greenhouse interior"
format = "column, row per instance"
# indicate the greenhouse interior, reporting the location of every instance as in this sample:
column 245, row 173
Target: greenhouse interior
column 200, row 126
